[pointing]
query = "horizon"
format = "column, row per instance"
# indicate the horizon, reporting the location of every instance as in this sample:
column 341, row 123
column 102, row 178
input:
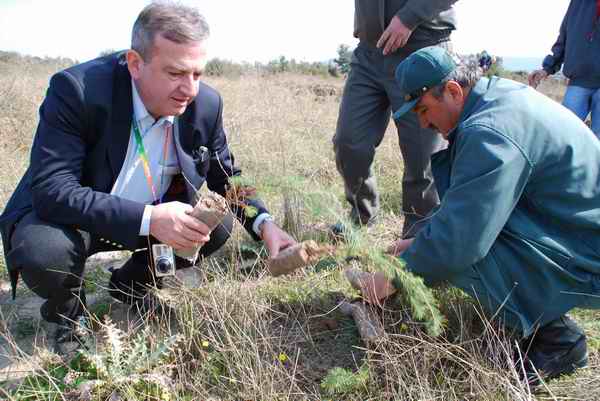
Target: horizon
column 265, row 32
column 514, row 64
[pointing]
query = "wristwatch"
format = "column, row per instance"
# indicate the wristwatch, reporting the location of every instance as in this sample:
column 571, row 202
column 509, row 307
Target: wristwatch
column 266, row 218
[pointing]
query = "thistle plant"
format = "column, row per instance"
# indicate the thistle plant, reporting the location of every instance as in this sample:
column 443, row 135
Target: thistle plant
column 124, row 363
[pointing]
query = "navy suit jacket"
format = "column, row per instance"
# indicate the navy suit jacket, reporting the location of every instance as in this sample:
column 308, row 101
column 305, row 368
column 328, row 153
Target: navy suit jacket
column 80, row 145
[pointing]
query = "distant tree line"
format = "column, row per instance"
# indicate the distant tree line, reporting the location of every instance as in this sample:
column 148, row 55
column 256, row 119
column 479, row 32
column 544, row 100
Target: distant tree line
column 216, row 66
column 336, row 67
column 219, row 67
column 222, row 67
column 16, row 58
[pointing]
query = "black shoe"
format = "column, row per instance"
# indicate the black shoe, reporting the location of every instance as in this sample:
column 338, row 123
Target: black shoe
column 128, row 291
column 338, row 230
column 69, row 336
column 343, row 231
column 346, row 228
column 558, row 348
column 141, row 300
column 150, row 306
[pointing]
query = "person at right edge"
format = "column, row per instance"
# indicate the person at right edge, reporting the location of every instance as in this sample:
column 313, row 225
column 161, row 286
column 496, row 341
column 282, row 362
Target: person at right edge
column 389, row 31
column 577, row 50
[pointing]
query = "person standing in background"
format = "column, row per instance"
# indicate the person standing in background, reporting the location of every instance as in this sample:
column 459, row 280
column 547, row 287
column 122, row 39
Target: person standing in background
column 578, row 48
column 389, row 31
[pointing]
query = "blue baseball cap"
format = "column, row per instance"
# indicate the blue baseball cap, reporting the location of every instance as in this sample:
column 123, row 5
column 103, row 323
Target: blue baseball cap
column 421, row 71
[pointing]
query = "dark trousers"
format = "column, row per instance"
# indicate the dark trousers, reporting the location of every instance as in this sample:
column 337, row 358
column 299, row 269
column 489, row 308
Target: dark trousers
column 370, row 95
column 51, row 260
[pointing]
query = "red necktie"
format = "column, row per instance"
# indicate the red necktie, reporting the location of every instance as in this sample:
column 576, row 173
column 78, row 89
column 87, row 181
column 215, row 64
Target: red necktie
column 597, row 9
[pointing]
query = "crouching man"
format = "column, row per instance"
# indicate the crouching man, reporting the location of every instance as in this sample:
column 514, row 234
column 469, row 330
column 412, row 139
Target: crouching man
column 518, row 227
column 123, row 143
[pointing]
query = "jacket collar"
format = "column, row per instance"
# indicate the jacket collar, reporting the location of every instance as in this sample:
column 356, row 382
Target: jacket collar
column 122, row 111
column 475, row 95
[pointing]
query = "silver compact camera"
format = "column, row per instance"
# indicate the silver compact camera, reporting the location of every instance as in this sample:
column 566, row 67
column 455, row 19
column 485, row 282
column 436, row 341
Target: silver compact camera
column 164, row 260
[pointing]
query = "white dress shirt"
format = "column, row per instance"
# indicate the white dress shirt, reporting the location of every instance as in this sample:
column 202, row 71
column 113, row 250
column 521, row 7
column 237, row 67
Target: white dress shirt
column 132, row 183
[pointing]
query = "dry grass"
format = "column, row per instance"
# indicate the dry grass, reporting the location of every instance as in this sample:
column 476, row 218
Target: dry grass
column 253, row 337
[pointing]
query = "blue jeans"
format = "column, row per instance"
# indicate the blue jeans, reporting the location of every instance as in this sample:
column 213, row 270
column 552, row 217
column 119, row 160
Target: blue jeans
column 583, row 101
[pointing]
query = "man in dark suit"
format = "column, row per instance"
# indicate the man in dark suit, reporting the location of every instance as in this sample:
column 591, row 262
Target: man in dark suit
column 123, row 144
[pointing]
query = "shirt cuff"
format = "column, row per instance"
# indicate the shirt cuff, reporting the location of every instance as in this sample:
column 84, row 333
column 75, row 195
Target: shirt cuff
column 145, row 226
column 257, row 222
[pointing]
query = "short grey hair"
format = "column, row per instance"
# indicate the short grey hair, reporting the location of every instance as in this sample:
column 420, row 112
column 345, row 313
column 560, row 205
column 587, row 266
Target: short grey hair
column 174, row 21
column 466, row 74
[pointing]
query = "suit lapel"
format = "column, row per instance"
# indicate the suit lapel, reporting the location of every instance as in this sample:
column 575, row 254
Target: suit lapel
column 193, row 181
column 122, row 112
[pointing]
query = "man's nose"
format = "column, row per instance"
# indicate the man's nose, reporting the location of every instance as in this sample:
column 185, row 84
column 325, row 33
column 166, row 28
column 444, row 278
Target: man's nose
column 189, row 86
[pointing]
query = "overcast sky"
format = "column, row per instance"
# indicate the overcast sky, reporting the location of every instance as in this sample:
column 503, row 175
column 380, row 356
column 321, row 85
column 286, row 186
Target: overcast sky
column 262, row 30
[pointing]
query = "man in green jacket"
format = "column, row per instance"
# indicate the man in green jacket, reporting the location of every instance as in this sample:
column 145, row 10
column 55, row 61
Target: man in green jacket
column 389, row 31
column 518, row 227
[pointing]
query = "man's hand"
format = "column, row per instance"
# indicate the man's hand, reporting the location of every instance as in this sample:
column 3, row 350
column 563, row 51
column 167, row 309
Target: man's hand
column 171, row 224
column 536, row 77
column 399, row 246
column 375, row 287
column 394, row 37
column 275, row 238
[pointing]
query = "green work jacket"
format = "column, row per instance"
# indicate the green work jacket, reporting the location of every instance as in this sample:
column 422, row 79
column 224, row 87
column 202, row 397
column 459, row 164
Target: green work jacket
column 518, row 226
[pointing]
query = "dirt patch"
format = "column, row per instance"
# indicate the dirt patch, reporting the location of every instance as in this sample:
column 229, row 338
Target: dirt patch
column 319, row 338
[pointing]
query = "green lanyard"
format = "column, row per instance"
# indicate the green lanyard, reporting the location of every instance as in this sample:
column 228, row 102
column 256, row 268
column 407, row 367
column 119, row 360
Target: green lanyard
column 141, row 150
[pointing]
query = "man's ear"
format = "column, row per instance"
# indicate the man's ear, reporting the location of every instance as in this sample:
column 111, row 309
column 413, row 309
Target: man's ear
column 134, row 63
column 454, row 89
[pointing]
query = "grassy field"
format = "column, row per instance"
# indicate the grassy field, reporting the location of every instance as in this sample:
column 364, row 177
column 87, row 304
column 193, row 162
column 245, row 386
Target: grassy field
column 232, row 332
